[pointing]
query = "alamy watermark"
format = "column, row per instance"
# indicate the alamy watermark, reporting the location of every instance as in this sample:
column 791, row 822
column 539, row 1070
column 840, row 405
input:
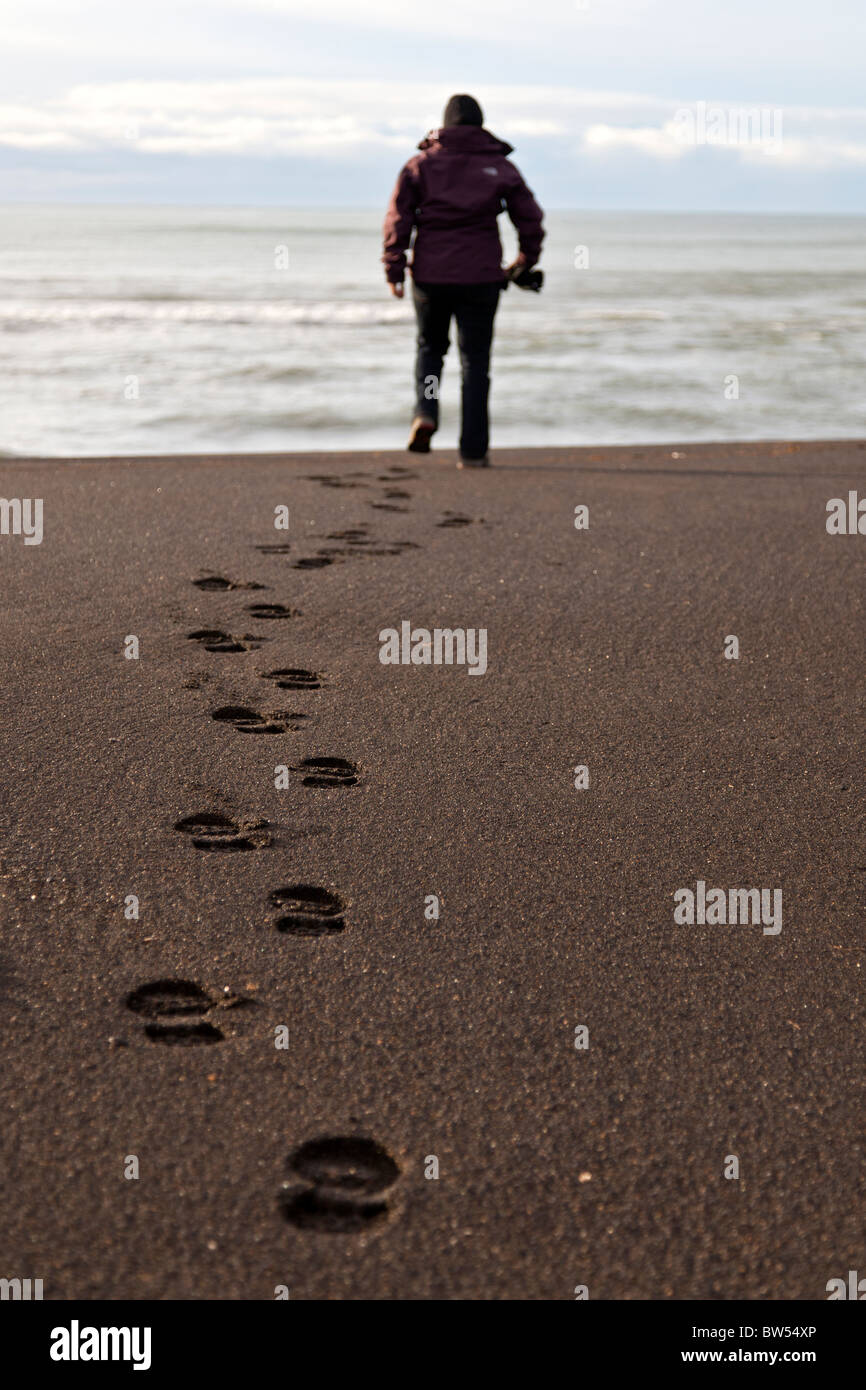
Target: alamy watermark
column 854, row 1289
column 21, row 1290
column 22, row 516
column 442, row 646
column 846, row 519
column 702, row 124
column 77, row 1343
column 719, row 907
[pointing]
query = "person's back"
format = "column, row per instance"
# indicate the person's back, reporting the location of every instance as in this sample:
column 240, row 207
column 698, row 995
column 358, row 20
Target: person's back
column 450, row 195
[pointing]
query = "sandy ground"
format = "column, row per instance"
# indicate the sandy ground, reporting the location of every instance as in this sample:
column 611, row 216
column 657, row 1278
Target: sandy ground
column 411, row 1038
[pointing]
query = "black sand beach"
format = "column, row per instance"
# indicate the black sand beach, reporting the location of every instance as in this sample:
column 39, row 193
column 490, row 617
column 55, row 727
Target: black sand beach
column 455, row 1037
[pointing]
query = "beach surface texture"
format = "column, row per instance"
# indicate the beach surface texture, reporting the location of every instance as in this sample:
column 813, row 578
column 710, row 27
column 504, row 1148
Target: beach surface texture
column 362, row 977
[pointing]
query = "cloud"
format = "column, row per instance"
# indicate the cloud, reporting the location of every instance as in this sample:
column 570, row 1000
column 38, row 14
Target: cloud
column 657, row 141
column 308, row 118
column 810, row 154
column 267, row 116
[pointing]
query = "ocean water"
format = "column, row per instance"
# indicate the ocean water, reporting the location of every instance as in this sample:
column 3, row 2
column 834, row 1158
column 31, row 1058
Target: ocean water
column 147, row 330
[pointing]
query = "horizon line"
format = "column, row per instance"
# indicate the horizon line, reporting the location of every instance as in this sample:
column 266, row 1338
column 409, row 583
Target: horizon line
column 370, row 207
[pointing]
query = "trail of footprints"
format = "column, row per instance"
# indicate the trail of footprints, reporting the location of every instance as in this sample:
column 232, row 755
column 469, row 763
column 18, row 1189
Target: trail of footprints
column 338, row 1184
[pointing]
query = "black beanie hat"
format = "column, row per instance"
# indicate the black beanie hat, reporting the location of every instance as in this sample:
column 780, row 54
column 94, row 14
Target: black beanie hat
column 462, row 110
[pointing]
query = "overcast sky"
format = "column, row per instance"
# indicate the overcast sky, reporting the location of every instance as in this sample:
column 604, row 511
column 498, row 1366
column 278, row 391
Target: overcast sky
column 319, row 102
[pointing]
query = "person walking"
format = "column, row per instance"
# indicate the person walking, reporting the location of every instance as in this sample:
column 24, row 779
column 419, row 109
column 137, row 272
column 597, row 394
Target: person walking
column 450, row 195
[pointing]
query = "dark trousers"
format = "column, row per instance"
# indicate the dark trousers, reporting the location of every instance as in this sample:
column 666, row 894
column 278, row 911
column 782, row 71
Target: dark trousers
column 474, row 308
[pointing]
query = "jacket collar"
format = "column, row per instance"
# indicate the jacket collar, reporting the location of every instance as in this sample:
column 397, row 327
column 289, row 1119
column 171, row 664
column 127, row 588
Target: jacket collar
column 465, row 139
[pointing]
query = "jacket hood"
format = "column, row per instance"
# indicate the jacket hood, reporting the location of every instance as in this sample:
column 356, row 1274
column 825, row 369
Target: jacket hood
column 465, row 139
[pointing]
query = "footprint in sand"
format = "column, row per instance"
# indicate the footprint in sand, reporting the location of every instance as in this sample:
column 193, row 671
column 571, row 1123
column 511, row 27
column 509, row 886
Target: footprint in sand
column 212, row 831
column 215, row 583
column 213, row 640
column 338, row 1184
column 344, row 480
column 306, row 910
column 294, row 678
column 184, row 1002
column 328, row 772
column 315, row 562
column 362, row 544
column 249, row 721
column 175, row 999
column 353, row 535
column 271, row 610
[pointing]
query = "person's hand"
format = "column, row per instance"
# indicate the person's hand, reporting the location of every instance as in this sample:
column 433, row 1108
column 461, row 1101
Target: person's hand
column 517, row 267
column 396, row 290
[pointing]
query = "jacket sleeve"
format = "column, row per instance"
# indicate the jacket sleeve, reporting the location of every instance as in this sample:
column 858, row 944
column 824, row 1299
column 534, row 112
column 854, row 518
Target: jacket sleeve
column 399, row 222
column 527, row 217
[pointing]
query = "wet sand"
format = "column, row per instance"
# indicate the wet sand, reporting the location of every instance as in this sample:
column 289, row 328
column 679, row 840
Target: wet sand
column 302, row 907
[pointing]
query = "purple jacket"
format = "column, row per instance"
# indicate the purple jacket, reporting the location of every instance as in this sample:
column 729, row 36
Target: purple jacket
column 452, row 193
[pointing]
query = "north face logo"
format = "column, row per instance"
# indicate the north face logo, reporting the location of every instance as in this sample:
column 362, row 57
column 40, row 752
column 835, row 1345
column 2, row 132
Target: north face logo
column 490, row 171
